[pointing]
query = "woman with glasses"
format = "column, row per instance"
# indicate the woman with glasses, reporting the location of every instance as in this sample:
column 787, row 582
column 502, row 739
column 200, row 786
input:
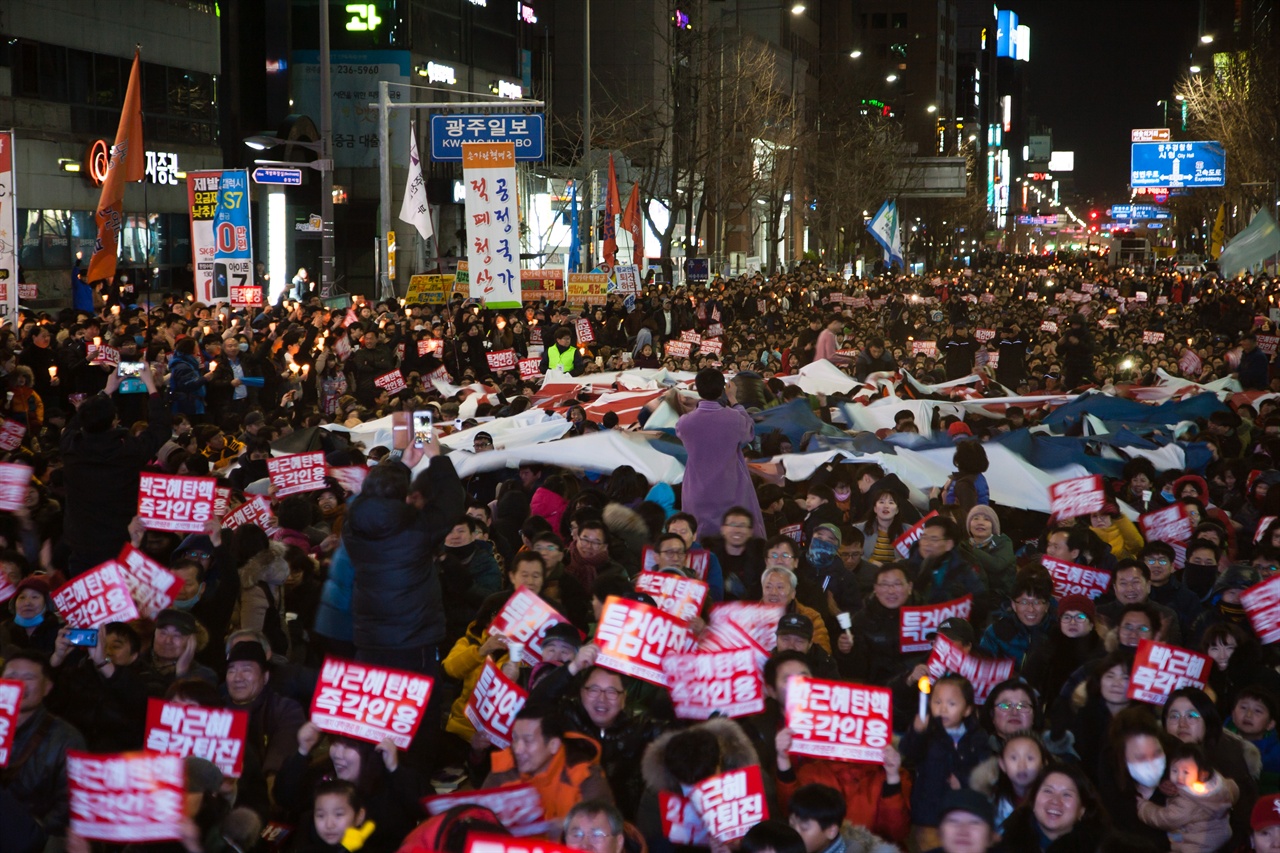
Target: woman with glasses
column 1073, row 642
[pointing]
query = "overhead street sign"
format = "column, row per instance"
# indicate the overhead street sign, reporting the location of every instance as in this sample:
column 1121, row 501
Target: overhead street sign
column 285, row 177
column 1052, row 219
column 1138, row 212
column 1178, row 164
column 1149, row 134
column 449, row 132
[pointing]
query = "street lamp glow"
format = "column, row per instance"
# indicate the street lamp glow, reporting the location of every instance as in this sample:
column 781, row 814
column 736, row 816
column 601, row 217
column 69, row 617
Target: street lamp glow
column 797, row 9
column 891, row 78
column 855, row 53
column 1179, row 98
column 931, row 109
column 1206, row 39
column 1195, row 69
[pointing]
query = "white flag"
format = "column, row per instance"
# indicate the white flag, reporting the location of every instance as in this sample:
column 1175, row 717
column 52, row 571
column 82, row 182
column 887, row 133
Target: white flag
column 886, row 230
column 414, row 209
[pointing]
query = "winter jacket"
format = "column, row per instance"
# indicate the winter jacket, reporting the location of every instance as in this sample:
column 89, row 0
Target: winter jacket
column 262, row 580
column 333, row 617
column 465, row 663
column 1022, row 835
column 946, row 578
column 869, row 801
column 100, row 471
column 1122, row 537
column 1196, row 823
column 397, row 601
column 1179, row 598
column 186, row 385
column 934, row 758
column 1008, row 637
column 39, row 782
column 821, row 637
column 876, row 644
column 995, row 560
column 571, row 776
column 548, row 505
column 468, row 575
column 854, row 838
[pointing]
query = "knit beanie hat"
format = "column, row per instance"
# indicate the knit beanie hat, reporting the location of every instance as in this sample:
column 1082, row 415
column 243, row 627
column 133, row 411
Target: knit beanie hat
column 988, row 513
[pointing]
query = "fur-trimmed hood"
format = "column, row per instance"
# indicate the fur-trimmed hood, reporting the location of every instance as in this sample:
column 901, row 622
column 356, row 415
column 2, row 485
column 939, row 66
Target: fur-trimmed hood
column 268, row 566
column 859, row 839
column 627, row 525
column 735, row 749
column 983, row 778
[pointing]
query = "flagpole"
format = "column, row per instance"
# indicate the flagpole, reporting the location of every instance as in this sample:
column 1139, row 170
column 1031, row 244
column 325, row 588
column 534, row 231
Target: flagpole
column 326, row 158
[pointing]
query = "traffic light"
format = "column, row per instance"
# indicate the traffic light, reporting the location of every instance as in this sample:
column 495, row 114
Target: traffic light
column 1093, row 214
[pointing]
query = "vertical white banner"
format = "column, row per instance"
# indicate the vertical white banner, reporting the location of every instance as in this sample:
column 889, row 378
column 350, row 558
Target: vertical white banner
column 9, row 231
column 202, row 206
column 493, row 225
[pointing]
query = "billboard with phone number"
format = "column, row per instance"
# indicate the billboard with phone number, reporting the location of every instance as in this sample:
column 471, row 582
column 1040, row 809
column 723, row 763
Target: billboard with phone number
column 221, row 236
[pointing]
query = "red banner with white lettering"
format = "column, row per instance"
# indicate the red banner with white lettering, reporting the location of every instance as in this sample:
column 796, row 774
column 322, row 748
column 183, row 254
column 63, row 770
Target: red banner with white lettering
column 917, row 625
column 1262, row 602
column 525, row 618
column 1152, row 337
column 680, row 596
column 494, row 703
column 10, row 702
column 582, row 328
column 214, row 734
column 297, row 473
column 152, row 586
column 758, row 620
column 503, row 359
column 256, row 510
column 392, row 382
column 95, row 598
column 983, row 673
column 518, row 808
column 839, row 721
column 634, row 638
column 178, row 504
column 530, row 368
column 711, row 347
column 14, row 480
column 349, row 477
column 1071, row 579
column 127, row 796
column 727, row 683
column 369, row 702
column 1159, row 669
column 11, row 433
column 730, row 803
column 1078, row 496
column 679, row 349
column 1169, row 524
column 904, row 542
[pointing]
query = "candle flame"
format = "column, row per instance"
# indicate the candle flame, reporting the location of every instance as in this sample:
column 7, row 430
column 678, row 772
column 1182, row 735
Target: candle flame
column 923, row 685
column 1199, row 787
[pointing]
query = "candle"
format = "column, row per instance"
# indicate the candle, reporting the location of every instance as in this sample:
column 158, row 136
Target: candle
column 97, row 341
column 925, row 687
column 53, row 371
column 213, row 365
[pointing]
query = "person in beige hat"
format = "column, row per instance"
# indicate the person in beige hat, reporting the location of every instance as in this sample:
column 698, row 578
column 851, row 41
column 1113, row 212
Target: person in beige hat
column 990, row 550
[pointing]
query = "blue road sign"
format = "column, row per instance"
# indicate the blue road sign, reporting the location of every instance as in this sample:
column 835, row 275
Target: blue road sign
column 1178, row 164
column 448, row 132
column 1135, row 212
column 269, row 175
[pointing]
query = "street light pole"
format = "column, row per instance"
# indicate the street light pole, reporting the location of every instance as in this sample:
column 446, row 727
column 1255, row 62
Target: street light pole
column 326, row 155
column 588, row 203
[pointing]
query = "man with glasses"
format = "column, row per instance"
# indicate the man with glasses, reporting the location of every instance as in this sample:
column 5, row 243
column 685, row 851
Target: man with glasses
column 1169, row 591
column 698, row 560
column 740, row 554
column 1023, row 622
column 944, row 574
column 589, row 554
column 596, row 826
column 1132, row 585
column 779, row 585
column 869, row 653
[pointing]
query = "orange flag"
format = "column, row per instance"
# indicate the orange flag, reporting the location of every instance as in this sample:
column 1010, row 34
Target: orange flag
column 127, row 164
column 609, row 229
column 633, row 223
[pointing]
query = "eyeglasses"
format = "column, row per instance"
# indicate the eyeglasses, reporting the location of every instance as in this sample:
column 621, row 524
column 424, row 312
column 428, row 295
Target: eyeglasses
column 1175, row 716
column 1135, row 629
column 1157, row 561
column 1030, row 602
column 890, row 585
column 547, row 547
column 593, row 542
column 198, row 555
column 672, row 552
column 1013, row 706
column 781, row 555
column 609, row 692
column 1073, row 617
column 483, row 444
column 596, row 835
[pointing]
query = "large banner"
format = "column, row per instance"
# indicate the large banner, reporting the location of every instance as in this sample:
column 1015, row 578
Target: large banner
column 8, row 231
column 493, row 226
column 221, row 235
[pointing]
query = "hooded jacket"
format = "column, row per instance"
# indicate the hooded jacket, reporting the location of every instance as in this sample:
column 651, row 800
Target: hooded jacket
column 1211, row 512
column 396, row 600
column 571, row 776
column 267, row 567
column 548, row 505
column 869, row 802
column 1194, row 821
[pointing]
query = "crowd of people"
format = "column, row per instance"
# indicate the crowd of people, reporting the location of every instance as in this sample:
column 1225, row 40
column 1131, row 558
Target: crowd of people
column 410, row 568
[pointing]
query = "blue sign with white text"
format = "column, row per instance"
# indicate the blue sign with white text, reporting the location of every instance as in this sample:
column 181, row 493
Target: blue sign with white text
column 1178, row 164
column 448, row 132
column 1006, row 33
column 1138, row 211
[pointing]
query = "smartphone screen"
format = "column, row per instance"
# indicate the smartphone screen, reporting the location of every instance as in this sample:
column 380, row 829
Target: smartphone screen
column 83, row 636
column 421, row 428
column 129, row 369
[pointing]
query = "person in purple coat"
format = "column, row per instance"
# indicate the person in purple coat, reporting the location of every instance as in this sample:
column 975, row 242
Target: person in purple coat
column 716, row 477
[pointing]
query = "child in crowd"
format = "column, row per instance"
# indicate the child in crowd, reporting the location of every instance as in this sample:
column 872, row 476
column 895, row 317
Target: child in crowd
column 1254, row 717
column 817, row 813
column 1006, row 779
column 339, row 819
column 1197, row 817
column 942, row 751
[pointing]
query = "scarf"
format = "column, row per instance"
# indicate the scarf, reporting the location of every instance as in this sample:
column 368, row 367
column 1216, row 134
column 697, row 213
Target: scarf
column 584, row 569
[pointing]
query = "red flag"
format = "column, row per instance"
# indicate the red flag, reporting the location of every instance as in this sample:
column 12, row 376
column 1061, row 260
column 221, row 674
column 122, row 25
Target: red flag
column 126, row 164
column 611, row 209
column 633, row 223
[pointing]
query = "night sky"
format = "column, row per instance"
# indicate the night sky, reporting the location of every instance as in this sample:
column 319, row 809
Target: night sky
column 1097, row 69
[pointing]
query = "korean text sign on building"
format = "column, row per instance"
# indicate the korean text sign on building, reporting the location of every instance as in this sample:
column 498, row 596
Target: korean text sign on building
column 492, row 220
column 723, row 682
column 494, row 703
column 917, row 625
column 95, row 598
column 126, row 797
column 369, row 702
column 525, row 618
column 214, row 734
column 634, row 638
column 297, row 473
column 179, row 504
column 837, row 720
column 1159, row 669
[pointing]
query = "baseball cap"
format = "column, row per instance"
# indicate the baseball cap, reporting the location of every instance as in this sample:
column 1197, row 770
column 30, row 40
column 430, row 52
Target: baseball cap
column 796, row 625
column 1266, row 813
column 834, row 530
column 970, row 801
column 248, row 650
column 958, row 630
column 180, row 619
column 1079, row 603
column 562, row 632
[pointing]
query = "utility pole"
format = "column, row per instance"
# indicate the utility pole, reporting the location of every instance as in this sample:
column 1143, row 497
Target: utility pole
column 326, row 155
column 588, row 200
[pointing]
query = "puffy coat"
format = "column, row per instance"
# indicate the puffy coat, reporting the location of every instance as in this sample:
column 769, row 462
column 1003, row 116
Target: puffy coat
column 40, row 782
column 862, row 787
column 396, row 601
column 876, row 645
column 1194, row 821
column 468, row 575
column 1008, row 637
column 571, row 776
column 465, row 663
column 1122, row 537
column 267, row 567
column 995, row 560
column 934, row 757
column 333, row 616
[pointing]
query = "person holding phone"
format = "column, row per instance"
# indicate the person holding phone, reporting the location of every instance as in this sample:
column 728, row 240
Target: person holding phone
column 186, row 379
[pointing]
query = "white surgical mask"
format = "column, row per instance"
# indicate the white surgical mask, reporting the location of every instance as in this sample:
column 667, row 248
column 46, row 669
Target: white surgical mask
column 1147, row 773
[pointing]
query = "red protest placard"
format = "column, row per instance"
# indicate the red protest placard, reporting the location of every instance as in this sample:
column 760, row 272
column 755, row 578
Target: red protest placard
column 7, row 589
column 839, row 721
column 582, row 328
column 127, row 796
column 180, row 504
column 246, row 297
column 1070, row 579
column 256, row 510
column 14, row 480
column 634, row 638
column 929, row 348
column 681, row 822
column 680, row 596
column 214, row 734
column 983, row 335
column 1049, row 326
column 1159, row 669
column 727, row 683
column 711, row 347
column 1262, row 602
column 11, row 433
column 1268, row 343
column 917, row 625
column 1152, row 337
column 1169, row 524
column 430, row 346
column 392, row 382
column 690, row 336
column 524, row 619
column 152, row 586
column 731, row 803
column 1078, row 496
column 530, row 368
column 297, row 473
column 715, row 330
column 10, row 701
column 221, row 501
column 494, row 703
column 478, row 843
column 757, row 620
column 504, row 359
column 519, row 808
column 103, row 354
column 535, row 336
column 95, row 598
column 983, row 673
column 904, row 542
column 369, row 702
column 349, row 477
column 679, row 349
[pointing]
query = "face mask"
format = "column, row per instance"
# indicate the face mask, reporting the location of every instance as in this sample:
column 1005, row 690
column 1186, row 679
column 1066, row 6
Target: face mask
column 843, row 494
column 190, row 603
column 242, row 347
column 821, row 552
column 1147, row 773
column 28, row 621
column 140, row 339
